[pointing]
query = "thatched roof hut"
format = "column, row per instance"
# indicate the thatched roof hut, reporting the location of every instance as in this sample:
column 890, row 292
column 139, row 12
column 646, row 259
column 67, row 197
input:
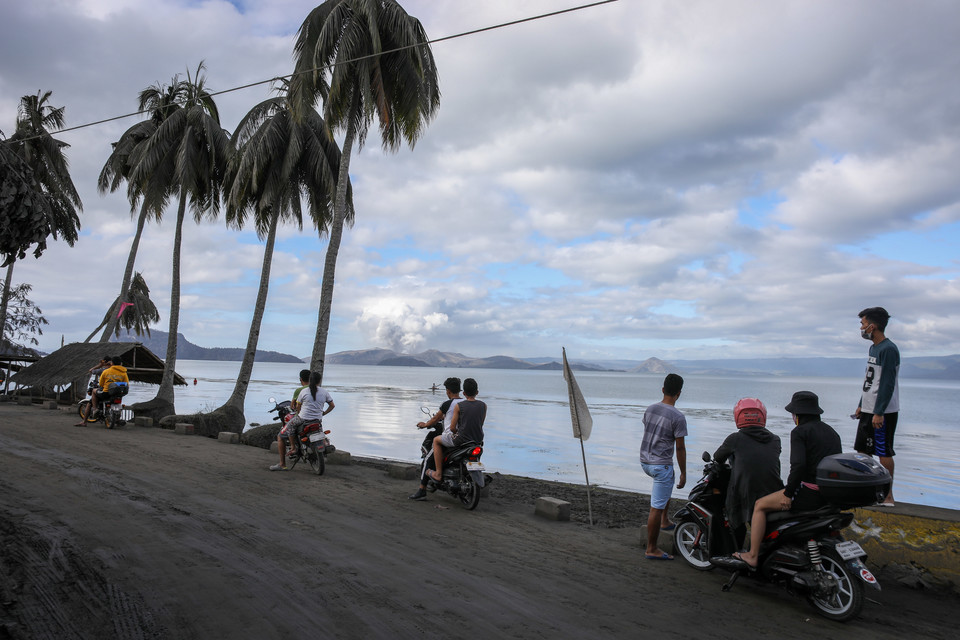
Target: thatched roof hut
column 71, row 363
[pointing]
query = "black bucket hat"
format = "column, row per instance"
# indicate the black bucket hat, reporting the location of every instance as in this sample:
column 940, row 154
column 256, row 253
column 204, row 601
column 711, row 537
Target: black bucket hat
column 804, row 403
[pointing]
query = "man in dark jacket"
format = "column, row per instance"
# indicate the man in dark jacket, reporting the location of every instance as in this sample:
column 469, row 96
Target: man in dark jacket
column 755, row 456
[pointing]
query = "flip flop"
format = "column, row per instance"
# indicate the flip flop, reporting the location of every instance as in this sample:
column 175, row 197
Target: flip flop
column 670, row 528
column 886, row 504
column 739, row 556
column 665, row 556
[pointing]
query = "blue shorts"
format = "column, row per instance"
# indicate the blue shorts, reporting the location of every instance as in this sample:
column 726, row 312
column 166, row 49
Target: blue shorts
column 662, row 475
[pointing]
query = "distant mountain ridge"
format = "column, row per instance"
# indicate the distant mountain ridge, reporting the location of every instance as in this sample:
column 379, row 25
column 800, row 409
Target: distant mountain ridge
column 929, row 367
column 434, row 358
column 186, row 350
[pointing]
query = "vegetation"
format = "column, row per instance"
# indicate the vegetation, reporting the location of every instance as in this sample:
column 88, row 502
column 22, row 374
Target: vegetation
column 37, row 195
column 365, row 59
column 188, row 153
column 278, row 161
column 362, row 60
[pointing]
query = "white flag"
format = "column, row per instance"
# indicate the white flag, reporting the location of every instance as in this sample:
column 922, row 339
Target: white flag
column 579, row 413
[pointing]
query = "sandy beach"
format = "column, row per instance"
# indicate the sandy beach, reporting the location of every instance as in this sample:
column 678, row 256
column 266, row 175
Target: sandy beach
column 142, row 533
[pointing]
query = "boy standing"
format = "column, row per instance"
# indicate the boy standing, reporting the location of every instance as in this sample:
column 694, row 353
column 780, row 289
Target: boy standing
column 880, row 398
column 664, row 428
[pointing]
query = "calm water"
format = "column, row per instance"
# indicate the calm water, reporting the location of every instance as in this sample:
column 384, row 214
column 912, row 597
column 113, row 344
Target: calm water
column 528, row 430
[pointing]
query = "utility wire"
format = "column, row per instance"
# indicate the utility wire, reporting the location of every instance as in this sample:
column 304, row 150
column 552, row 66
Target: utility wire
column 373, row 55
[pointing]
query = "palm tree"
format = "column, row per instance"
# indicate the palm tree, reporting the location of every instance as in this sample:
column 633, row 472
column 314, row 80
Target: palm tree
column 41, row 200
column 365, row 59
column 278, row 160
column 188, row 152
column 137, row 316
column 158, row 99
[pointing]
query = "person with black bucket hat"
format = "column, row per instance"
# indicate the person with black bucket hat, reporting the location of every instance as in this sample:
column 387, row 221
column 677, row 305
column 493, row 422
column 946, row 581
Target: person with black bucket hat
column 810, row 442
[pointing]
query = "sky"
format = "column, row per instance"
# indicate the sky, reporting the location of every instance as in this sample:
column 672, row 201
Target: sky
column 637, row 179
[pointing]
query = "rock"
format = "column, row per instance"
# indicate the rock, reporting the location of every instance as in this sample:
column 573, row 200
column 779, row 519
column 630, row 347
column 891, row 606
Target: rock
column 553, row 508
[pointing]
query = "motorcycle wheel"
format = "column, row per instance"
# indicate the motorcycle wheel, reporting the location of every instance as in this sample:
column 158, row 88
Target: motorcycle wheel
column 111, row 418
column 82, row 407
column 469, row 491
column 847, row 602
column 315, row 458
column 690, row 541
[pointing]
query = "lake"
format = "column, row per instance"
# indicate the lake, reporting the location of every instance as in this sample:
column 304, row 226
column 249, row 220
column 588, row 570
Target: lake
column 528, row 431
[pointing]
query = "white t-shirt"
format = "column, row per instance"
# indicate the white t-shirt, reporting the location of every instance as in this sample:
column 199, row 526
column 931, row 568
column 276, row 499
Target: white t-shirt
column 448, row 416
column 312, row 410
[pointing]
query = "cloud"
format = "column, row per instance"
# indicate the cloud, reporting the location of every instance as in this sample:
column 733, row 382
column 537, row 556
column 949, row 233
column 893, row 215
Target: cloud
column 629, row 180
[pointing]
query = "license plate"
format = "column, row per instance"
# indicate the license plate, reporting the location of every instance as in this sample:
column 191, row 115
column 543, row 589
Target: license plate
column 316, row 437
column 475, row 466
column 849, row 550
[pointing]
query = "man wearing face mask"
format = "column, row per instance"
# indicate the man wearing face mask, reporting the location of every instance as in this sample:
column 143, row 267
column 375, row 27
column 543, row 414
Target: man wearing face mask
column 880, row 400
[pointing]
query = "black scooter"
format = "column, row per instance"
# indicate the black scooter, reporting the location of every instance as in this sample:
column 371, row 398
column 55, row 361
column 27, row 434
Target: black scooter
column 802, row 551
column 462, row 475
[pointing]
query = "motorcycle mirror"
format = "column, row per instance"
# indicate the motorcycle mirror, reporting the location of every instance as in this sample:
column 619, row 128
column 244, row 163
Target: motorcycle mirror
column 272, row 400
column 706, row 456
column 425, row 410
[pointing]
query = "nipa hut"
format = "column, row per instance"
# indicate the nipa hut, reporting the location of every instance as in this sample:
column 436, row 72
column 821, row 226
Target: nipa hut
column 70, row 364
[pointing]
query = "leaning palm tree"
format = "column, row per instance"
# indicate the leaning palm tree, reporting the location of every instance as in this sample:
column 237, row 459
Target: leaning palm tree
column 40, row 199
column 189, row 152
column 278, row 161
column 135, row 313
column 159, row 100
column 365, row 59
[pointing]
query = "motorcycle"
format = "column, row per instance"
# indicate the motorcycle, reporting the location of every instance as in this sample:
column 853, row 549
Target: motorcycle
column 312, row 446
column 462, row 475
column 109, row 412
column 802, row 551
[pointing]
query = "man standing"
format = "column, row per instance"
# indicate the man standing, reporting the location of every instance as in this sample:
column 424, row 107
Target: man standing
column 663, row 428
column 880, row 400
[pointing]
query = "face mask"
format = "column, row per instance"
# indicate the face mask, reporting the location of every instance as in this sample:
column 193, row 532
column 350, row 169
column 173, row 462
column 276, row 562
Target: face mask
column 866, row 335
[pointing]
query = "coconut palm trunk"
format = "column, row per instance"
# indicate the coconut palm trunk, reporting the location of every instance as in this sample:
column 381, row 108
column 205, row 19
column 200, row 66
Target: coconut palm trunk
column 236, row 399
column 5, row 301
column 127, row 277
column 333, row 251
column 165, row 393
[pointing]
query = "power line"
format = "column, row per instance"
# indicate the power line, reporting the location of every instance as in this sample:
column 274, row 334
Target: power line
column 373, row 55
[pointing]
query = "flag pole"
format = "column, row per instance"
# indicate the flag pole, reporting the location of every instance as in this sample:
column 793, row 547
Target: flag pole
column 587, row 477
column 575, row 399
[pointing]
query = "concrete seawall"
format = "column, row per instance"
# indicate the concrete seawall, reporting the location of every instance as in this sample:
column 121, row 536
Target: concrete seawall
column 924, row 541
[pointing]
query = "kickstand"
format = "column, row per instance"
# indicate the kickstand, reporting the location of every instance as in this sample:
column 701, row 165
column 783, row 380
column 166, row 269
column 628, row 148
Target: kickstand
column 730, row 582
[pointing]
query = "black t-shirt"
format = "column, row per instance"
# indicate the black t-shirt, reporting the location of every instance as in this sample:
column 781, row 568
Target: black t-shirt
column 470, row 422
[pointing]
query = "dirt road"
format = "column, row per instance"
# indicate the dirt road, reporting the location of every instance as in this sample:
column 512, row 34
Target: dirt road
column 142, row 533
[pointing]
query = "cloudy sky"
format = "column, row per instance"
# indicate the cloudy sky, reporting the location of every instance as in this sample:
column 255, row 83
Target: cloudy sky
column 681, row 180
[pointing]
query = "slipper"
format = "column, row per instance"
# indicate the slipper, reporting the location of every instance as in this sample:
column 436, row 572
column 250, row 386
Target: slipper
column 80, row 424
column 430, row 473
column 886, row 504
column 670, row 528
column 665, row 556
column 739, row 556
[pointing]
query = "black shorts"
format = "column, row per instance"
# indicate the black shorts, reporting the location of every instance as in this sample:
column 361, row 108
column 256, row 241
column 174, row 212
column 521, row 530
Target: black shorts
column 807, row 499
column 876, row 442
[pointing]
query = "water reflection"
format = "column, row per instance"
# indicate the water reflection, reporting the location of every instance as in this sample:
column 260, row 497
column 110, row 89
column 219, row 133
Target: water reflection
column 528, row 428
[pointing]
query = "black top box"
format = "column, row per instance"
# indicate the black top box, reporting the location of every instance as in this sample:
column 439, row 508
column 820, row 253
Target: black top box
column 852, row 480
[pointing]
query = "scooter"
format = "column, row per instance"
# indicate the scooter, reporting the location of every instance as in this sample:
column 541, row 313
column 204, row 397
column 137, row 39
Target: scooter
column 462, row 475
column 312, row 446
column 109, row 411
column 802, row 551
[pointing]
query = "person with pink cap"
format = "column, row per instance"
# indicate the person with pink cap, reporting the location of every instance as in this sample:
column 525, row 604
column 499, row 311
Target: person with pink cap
column 754, row 453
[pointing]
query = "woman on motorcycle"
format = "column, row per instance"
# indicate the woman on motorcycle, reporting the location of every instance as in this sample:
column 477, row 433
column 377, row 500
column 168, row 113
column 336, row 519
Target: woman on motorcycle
column 810, row 442
column 754, row 453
